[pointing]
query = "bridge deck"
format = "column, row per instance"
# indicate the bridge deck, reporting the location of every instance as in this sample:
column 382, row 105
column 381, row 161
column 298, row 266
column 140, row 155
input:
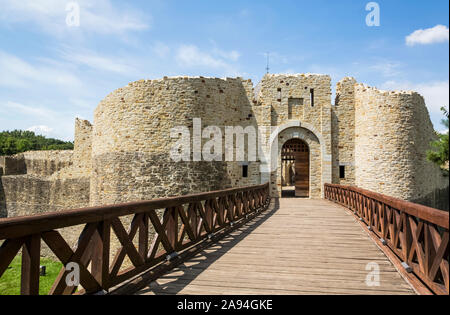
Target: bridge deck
column 296, row 247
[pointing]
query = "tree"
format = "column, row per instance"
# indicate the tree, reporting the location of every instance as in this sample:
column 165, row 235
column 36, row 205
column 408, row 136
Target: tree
column 18, row 141
column 439, row 154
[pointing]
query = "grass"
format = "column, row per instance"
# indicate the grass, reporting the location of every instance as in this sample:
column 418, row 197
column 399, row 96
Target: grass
column 10, row 281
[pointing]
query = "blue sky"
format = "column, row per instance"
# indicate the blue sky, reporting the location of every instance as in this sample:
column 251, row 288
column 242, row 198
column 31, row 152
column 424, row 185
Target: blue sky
column 51, row 73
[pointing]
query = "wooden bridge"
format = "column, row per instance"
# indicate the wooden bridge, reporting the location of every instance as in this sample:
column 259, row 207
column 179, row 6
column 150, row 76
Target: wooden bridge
column 238, row 241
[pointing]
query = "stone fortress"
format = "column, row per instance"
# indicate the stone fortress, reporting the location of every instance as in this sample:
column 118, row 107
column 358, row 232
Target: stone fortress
column 368, row 138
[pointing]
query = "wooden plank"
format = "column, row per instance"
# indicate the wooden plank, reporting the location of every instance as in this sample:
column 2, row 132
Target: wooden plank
column 304, row 247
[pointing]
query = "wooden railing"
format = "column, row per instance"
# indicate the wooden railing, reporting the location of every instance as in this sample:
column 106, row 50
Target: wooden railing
column 186, row 221
column 416, row 234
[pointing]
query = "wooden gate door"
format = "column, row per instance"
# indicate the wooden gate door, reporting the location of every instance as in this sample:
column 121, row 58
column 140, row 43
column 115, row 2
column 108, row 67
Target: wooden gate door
column 298, row 151
column 302, row 173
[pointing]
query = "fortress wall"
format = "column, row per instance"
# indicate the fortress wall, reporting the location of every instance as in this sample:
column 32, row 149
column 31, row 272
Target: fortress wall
column 45, row 163
column 30, row 195
column 295, row 100
column 131, row 137
column 343, row 131
column 12, row 165
column 285, row 99
column 3, row 210
column 393, row 131
column 25, row 195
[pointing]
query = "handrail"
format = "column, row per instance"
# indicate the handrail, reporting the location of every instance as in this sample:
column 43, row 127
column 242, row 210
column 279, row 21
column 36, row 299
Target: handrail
column 186, row 221
column 416, row 234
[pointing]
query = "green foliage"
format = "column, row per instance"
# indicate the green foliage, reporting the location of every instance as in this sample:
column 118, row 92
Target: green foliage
column 439, row 153
column 18, row 141
column 10, row 281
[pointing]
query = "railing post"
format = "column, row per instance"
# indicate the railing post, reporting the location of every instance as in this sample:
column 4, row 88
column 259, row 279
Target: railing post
column 209, row 214
column 30, row 265
column 193, row 217
column 100, row 254
column 143, row 236
column 429, row 251
column 172, row 227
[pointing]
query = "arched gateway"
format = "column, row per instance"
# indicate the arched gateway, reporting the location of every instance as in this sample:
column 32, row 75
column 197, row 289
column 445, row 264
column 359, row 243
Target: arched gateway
column 295, row 166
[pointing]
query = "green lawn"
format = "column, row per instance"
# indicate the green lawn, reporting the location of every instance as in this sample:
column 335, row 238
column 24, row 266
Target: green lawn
column 10, row 281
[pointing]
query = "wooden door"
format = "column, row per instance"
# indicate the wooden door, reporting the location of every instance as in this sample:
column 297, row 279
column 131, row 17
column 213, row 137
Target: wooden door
column 297, row 150
column 302, row 174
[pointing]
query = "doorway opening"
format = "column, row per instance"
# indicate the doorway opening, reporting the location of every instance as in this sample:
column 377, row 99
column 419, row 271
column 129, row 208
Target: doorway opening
column 295, row 169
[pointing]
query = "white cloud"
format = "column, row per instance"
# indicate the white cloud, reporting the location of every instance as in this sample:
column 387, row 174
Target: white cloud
column 437, row 34
column 98, row 62
column 386, row 68
column 191, row 56
column 16, row 72
column 38, row 112
column 276, row 58
column 436, row 95
column 161, row 49
column 41, row 130
column 98, row 16
column 229, row 55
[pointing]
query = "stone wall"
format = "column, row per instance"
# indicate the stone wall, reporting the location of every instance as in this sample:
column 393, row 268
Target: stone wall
column 289, row 99
column 3, row 210
column 39, row 163
column 46, row 163
column 83, row 144
column 392, row 134
column 284, row 102
column 29, row 195
column 12, row 165
column 81, row 166
column 132, row 141
column 343, row 126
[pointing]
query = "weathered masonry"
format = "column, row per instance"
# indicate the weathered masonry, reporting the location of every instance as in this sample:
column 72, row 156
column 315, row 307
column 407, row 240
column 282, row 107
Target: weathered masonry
column 368, row 138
